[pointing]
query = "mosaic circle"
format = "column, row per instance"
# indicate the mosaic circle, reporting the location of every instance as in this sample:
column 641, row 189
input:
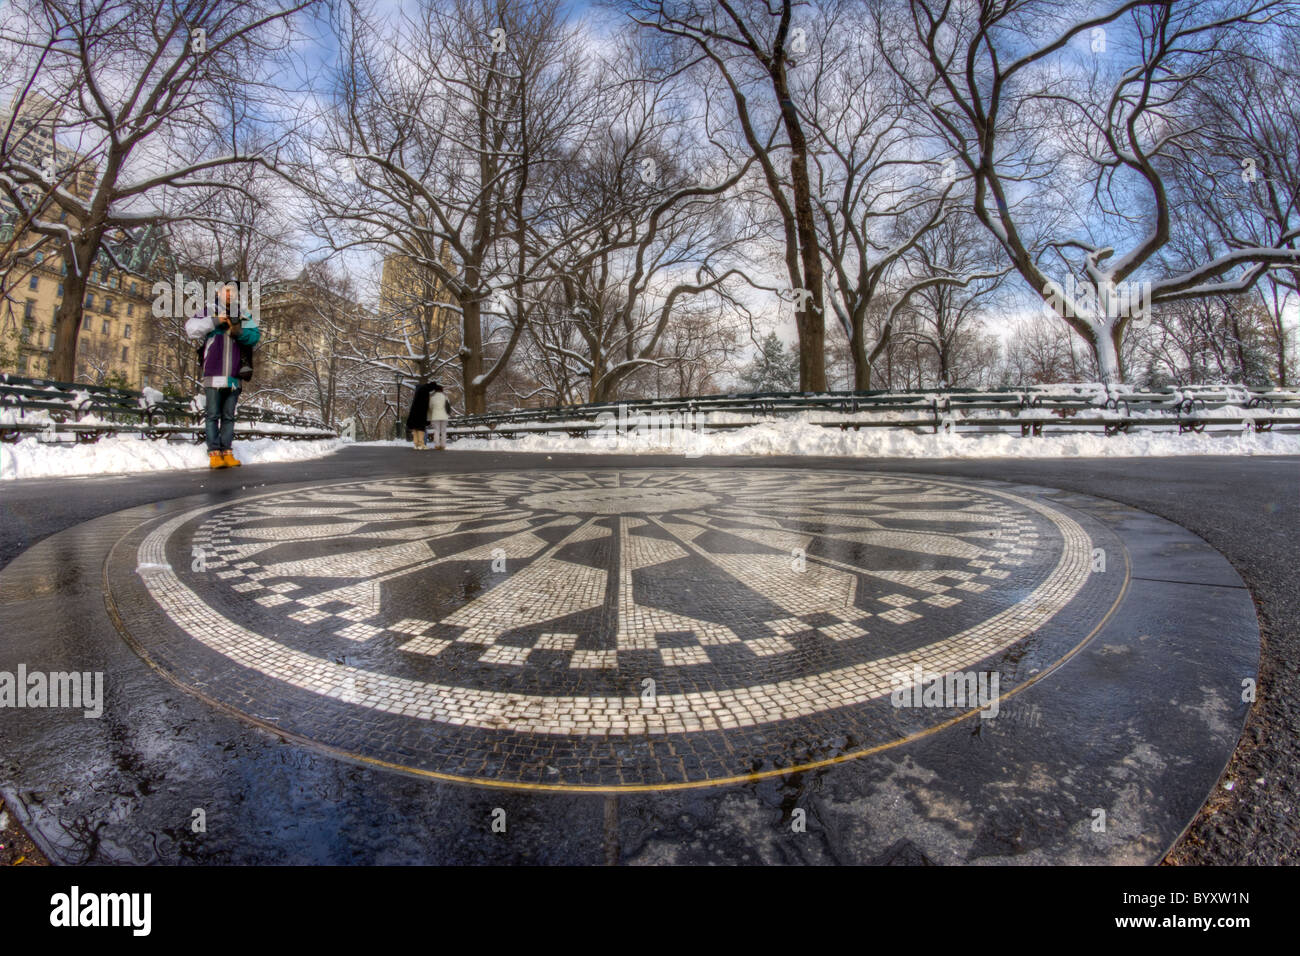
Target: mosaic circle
column 606, row 629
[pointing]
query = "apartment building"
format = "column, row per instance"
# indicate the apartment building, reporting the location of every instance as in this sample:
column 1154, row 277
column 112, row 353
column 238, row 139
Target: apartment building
column 116, row 323
column 112, row 342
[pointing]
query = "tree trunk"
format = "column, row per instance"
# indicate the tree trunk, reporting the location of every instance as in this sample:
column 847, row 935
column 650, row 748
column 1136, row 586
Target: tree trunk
column 1105, row 348
column 598, row 386
column 811, row 321
column 1281, row 334
column 882, row 346
column 858, row 351
column 67, row 323
column 332, row 389
column 1239, row 347
column 861, row 361
column 471, row 360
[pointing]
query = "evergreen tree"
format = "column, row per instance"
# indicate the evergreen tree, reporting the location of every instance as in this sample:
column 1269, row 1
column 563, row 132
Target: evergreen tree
column 775, row 369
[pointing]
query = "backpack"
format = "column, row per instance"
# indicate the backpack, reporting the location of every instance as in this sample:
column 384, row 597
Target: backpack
column 245, row 372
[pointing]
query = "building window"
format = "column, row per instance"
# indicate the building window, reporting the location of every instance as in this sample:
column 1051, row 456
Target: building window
column 105, row 328
column 63, row 269
column 40, row 257
column 108, row 305
column 60, row 290
column 27, row 310
column 133, row 289
column 34, row 283
column 90, row 300
column 86, row 322
column 130, row 308
column 126, row 332
column 123, row 353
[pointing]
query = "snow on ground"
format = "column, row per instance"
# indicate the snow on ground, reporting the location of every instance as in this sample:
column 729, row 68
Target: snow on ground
column 31, row 458
column 799, row 438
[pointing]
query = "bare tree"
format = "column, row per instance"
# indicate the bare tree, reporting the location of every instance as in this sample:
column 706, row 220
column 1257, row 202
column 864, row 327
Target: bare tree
column 244, row 231
column 29, row 136
column 879, row 189
column 1209, row 340
column 1243, row 178
column 442, row 120
column 417, row 335
column 693, row 356
column 243, row 234
column 749, row 45
column 95, row 363
column 644, row 236
column 139, row 88
column 1097, row 95
column 1042, row 351
column 317, row 351
column 946, row 326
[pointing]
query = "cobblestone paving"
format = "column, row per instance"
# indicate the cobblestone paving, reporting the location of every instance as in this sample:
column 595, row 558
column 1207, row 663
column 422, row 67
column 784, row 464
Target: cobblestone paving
column 620, row 628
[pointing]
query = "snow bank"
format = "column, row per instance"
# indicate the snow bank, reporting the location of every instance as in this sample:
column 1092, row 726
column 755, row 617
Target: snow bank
column 799, row 438
column 150, row 396
column 31, row 458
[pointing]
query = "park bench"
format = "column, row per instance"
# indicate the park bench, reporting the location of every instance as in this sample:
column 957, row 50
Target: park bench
column 1029, row 411
column 46, row 410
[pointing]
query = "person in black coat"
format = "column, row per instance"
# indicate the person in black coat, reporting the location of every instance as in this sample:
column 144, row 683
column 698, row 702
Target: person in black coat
column 418, row 419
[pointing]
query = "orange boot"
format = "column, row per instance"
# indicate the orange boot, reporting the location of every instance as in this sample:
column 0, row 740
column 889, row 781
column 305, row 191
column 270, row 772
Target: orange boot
column 231, row 461
column 216, row 460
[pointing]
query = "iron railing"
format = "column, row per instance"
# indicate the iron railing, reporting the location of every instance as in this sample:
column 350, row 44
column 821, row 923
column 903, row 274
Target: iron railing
column 45, row 409
column 1029, row 411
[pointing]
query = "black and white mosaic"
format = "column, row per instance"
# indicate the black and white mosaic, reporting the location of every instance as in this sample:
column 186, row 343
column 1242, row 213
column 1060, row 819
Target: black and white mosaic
column 621, row 628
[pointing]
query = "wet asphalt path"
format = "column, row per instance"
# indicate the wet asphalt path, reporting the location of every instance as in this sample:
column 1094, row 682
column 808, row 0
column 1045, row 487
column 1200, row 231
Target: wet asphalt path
column 1246, row 508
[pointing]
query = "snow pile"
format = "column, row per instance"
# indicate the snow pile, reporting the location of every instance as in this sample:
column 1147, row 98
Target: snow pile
column 150, row 397
column 282, row 429
column 12, row 415
column 801, row 438
column 262, row 403
column 31, row 458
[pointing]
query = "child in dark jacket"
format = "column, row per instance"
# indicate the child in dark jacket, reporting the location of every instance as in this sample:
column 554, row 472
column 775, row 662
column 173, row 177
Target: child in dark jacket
column 225, row 331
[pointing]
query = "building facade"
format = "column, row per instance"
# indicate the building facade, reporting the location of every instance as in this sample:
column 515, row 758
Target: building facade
column 115, row 325
column 116, row 322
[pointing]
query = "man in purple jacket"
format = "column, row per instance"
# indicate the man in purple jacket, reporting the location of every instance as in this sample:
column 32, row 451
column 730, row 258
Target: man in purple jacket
column 223, row 329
